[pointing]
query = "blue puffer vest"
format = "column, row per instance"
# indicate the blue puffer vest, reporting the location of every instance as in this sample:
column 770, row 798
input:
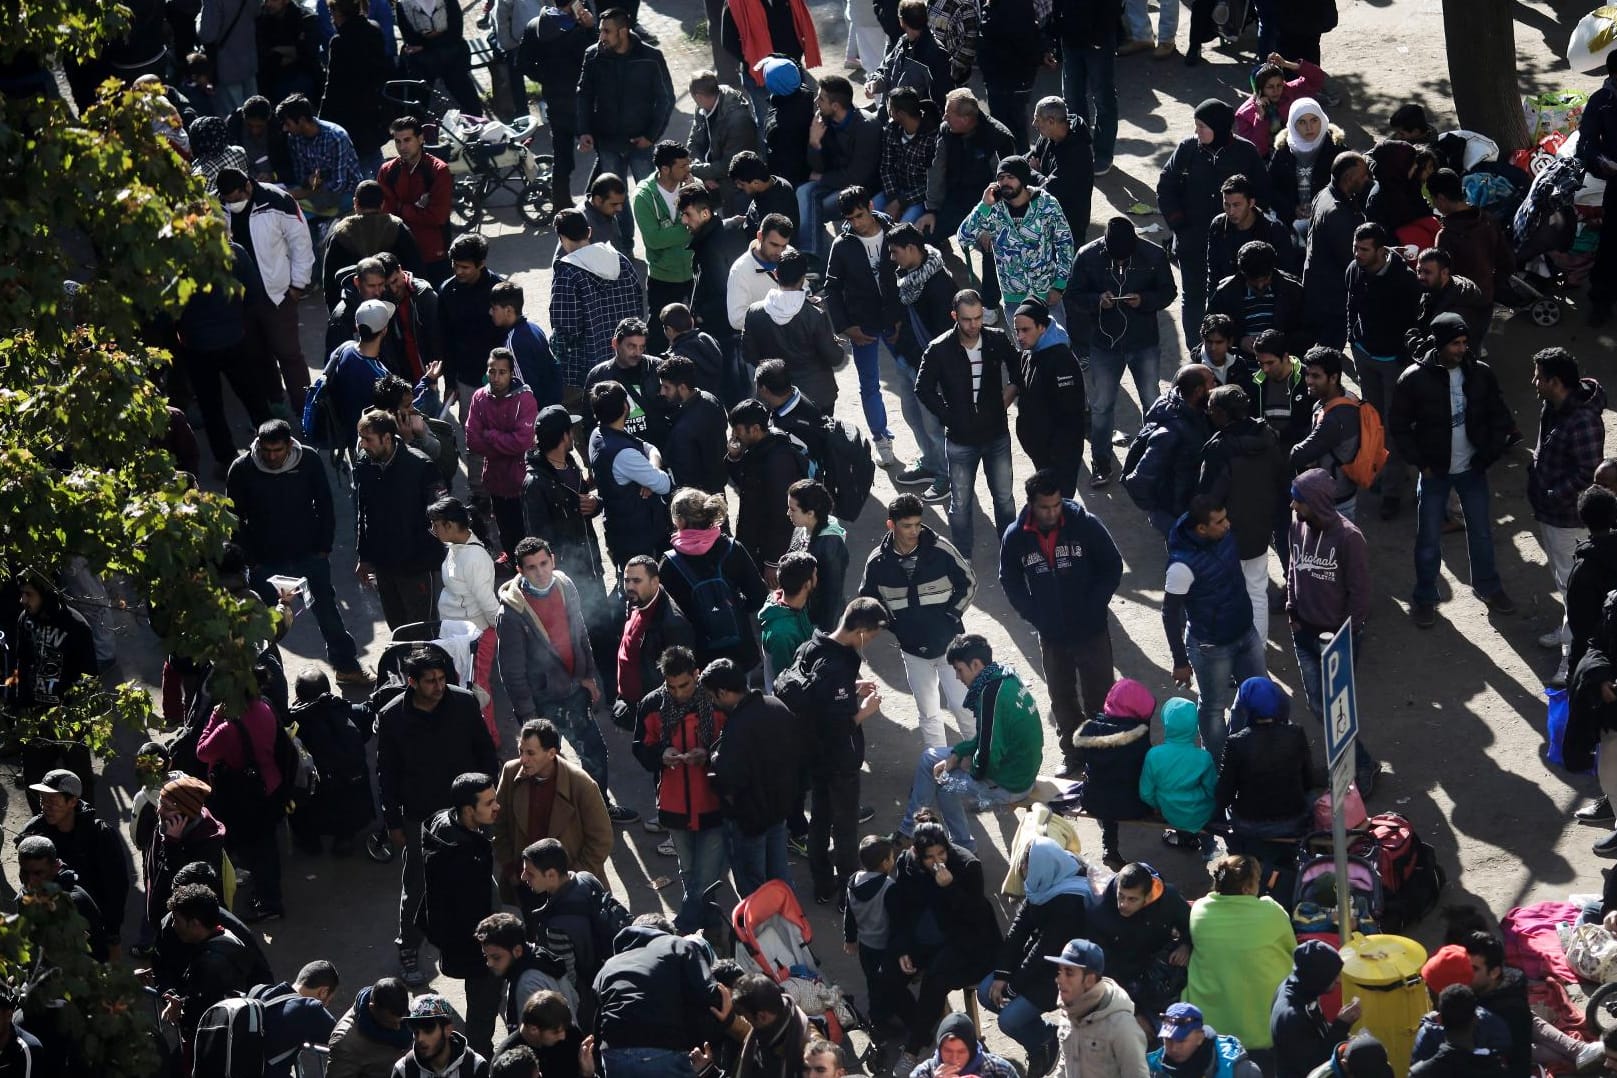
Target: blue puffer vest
column 1220, row 612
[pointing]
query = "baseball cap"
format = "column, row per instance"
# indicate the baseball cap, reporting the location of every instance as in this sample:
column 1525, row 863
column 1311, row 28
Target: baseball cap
column 1081, row 954
column 430, row 1008
column 60, row 781
column 374, row 315
column 552, row 420
column 1365, row 1057
column 1180, row 1021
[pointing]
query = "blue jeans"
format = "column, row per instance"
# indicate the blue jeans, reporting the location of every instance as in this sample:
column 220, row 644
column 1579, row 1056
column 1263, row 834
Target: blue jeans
column 1309, row 647
column 958, row 789
column 1103, row 379
column 646, row 1063
column 814, row 201
column 911, row 214
column 574, row 721
column 1432, row 497
column 1138, row 18
column 622, row 163
column 922, row 423
column 341, row 650
column 867, row 361
column 995, row 458
column 1214, row 666
column 1089, row 83
column 757, row 859
column 701, row 861
column 1019, row 1019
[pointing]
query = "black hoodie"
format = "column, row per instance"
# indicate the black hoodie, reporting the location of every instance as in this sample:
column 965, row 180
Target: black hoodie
column 1508, row 1000
column 655, row 992
column 458, row 866
column 1303, row 1039
column 1244, row 467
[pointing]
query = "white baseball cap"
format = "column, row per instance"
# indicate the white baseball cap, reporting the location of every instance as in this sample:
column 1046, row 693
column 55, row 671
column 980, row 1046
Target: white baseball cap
column 374, row 315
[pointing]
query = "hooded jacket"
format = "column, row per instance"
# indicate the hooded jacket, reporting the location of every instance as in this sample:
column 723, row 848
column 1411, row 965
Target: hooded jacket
column 419, row 753
column 361, row 1047
column 551, row 508
column 1329, row 254
column 983, row 1063
column 1132, row 944
column 390, row 511
column 1053, row 405
column 335, row 732
column 756, row 763
column 926, row 294
column 829, row 546
column 93, row 850
column 468, row 589
column 1120, row 327
column 1174, row 431
column 1490, row 1039
column 202, row 840
column 458, row 867
column 1381, row 305
column 1328, row 573
column 501, row 429
column 530, row 667
column 1267, row 770
column 462, row 1062
column 1033, row 252
column 830, row 671
column 1040, row 929
column 1226, row 1058
column 594, row 288
column 686, row 798
column 1112, row 747
column 762, row 476
column 291, row 1020
column 667, row 242
column 925, row 602
column 783, row 631
column 286, row 512
column 1244, row 468
column 943, row 386
column 859, row 293
column 1009, row 742
column 1571, row 442
column 624, row 96
column 777, row 1052
column 1303, row 1039
column 1188, row 187
column 1104, row 1040
column 926, row 918
column 787, row 325
column 1179, row 776
column 655, row 992
column 1061, row 583
column 1420, row 421
column 1509, row 1000
column 786, row 134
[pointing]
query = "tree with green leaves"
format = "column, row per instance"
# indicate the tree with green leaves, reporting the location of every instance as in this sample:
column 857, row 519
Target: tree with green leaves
column 100, row 198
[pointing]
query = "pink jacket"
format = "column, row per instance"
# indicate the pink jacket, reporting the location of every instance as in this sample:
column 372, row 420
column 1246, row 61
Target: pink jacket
column 1249, row 120
column 221, row 742
column 501, row 429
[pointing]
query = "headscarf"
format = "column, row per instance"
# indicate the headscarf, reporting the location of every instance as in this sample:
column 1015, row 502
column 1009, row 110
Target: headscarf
column 208, row 137
column 1260, row 698
column 1220, row 116
column 1128, row 699
column 1306, row 149
column 1052, row 871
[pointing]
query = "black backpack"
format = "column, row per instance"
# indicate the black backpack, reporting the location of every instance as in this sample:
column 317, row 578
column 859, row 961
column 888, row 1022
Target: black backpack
column 715, row 609
column 848, row 469
column 230, row 1040
column 1144, row 496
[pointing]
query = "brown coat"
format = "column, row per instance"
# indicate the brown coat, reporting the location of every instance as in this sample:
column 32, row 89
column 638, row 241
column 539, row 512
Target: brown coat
column 577, row 818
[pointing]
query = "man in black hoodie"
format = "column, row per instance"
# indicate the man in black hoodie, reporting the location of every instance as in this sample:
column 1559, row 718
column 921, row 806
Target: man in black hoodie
column 458, row 869
column 287, row 526
column 658, row 1000
column 1053, row 409
column 1502, row 989
column 1303, row 1039
column 393, row 485
column 440, row 1051
column 1450, row 420
column 1244, row 468
column 1383, row 302
column 763, row 464
column 824, row 690
column 755, row 769
column 86, row 845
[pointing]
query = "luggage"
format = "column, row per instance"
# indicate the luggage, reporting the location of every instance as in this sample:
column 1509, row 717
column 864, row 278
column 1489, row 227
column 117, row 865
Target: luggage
column 1411, row 878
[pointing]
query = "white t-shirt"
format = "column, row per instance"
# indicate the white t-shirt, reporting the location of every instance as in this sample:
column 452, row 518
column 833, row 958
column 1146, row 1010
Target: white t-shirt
column 1460, row 447
column 1180, row 578
column 669, row 197
column 976, row 357
column 873, row 251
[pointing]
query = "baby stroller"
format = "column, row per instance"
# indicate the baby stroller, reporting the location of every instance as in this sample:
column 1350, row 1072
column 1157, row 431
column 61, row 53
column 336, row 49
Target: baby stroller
column 390, row 683
column 773, row 938
column 1545, row 222
column 1314, row 895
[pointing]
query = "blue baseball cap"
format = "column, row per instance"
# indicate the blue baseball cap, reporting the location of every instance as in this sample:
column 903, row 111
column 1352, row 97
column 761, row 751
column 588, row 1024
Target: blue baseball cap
column 1180, row 1021
column 1081, row 954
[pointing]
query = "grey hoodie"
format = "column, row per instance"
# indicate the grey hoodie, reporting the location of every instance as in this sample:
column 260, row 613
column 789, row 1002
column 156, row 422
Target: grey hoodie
column 1328, row 578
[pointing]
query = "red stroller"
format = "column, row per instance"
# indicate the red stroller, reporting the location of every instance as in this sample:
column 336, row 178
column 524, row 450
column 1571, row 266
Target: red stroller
column 772, row 937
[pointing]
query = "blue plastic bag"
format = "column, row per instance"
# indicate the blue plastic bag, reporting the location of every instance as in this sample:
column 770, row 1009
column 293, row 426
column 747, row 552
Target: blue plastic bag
column 1560, row 711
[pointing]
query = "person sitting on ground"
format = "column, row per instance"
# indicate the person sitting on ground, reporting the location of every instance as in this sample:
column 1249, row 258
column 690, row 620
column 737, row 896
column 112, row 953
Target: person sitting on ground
column 1193, row 1049
column 1180, row 778
column 1361, row 1057
column 1021, row 990
column 1143, row 924
column 548, row 1030
column 1267, row 770
column 1450, row 967
column 1111, row 747
column 1303, row 1037
column 1241, row 947
column 1503, row 990
column 959, row 1052
column 1458, row 1055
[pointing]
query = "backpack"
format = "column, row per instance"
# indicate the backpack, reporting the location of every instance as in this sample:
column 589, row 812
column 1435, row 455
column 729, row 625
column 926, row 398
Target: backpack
column 715, row 611
column 1366, row 465
column 849, row 469
column 320, row 412
column 300, row 776
column 1139, row 487
column 230, row 1040
column 610, row 918
column 260, row 994
column 1411, row 878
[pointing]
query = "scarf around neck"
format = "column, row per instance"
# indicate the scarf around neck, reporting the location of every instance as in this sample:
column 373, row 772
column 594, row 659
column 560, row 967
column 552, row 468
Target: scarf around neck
column 990, row 673
column 911, row 284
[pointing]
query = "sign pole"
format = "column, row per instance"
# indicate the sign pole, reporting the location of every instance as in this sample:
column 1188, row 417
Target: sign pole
column 1341, row 732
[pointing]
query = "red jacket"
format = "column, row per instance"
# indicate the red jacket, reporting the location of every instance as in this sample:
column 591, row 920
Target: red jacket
column 501, row 429
column 686, row 799
column 402, row 189
column 753, row 26
column 221, row 742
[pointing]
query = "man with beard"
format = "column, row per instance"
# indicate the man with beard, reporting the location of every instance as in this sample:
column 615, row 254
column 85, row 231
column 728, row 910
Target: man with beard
column 655, row 624
column 393, row 485
column 698, row 428
column 439, row 1051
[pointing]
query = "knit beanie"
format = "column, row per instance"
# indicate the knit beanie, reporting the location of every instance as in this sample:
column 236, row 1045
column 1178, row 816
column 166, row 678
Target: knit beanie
column 1449, row 965
column 188, row 794
column 1019, row 167
column 1447, row 327
column 781, row 75
column 1035, row 308
column 1128, row 699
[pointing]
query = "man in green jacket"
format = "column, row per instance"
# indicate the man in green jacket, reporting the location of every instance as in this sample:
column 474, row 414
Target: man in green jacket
column 784, row 621
column 668, row 253
column 999, row 765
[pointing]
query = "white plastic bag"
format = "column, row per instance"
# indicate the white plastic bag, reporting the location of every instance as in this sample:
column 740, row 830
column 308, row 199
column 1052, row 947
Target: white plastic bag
column 1591, row 951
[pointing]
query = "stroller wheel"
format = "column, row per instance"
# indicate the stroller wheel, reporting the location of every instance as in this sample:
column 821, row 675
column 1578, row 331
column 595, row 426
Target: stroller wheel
column 538, row 200
column 1545, row 312
column 379, row 849
column 1601, row 1012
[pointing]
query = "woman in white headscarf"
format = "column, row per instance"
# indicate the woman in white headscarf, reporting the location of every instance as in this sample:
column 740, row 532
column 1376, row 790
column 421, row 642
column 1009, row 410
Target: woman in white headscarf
column 1301, row 165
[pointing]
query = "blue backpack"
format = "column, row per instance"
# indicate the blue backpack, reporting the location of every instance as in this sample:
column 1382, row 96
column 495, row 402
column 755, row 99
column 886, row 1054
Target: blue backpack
column 715, row 612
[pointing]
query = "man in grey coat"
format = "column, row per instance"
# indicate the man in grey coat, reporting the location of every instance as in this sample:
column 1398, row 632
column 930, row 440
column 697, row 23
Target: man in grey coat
column 722, row 127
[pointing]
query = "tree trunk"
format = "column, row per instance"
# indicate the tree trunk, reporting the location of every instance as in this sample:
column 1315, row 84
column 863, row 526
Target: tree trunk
column 1481, row 37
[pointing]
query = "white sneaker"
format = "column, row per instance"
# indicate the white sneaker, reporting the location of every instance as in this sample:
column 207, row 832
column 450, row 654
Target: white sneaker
column 1555, row 638
column 884, row 453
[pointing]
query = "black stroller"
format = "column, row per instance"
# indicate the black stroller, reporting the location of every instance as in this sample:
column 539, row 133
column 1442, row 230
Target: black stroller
column 1546, row 222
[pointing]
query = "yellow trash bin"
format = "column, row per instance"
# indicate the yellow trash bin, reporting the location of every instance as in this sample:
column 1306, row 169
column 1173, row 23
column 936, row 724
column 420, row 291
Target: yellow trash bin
column 1384, row 972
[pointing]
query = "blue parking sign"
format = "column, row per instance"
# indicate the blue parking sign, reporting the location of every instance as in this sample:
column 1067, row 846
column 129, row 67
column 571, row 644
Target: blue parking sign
column 1341, row 703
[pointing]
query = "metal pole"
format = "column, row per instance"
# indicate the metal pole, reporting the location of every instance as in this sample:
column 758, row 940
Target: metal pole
column 1344, row 892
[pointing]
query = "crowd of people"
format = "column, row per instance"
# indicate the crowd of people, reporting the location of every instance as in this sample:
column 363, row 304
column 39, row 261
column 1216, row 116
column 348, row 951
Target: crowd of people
column 556, row 474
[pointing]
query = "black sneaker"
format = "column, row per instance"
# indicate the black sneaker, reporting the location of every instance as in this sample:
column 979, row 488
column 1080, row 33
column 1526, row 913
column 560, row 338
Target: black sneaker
column 1597, row 813
column 1500, row 603
column 1098, row 478
column 1607, row 847
column 410, row 965
column 621, row 814
column 1424, row 615
column 866, row 814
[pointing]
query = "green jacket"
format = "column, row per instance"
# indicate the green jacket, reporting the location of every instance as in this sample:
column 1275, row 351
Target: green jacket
column 668, row 253
column 784, row 631
column 1009, row 718
column 1179, row 777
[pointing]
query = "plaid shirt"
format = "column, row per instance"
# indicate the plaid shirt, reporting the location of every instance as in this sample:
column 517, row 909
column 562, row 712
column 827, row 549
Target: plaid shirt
column 332, row 152
column 904, row 163
column 584, row 312
column 1571, row 442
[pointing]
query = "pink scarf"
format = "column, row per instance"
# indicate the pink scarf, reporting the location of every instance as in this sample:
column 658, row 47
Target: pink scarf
column 695, row 541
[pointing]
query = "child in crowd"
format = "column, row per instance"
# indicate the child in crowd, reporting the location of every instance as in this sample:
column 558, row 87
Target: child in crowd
column 1112, row 748
column 1179, row 778
column 865, row 930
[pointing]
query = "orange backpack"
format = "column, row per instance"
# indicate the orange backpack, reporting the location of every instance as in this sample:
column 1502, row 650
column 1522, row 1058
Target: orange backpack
column 1372, row 454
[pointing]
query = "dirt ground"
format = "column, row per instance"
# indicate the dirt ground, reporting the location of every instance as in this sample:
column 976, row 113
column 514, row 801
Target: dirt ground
column 1457, row 713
